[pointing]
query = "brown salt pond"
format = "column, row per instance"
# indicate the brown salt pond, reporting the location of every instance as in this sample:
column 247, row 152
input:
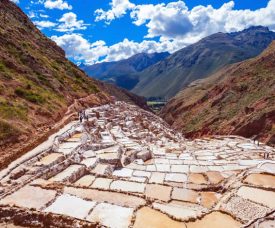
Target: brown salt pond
column 264, row 180
column 105, row 196
column 214, row 177
column 30, row 197
column 197, row 178
column 209, row 199
column 147, row 217
column 185, row 195
column 158, row 192
column 50, row 158
column 215, row 220
column 75, row 138
column 149, row 162
column 86, row 180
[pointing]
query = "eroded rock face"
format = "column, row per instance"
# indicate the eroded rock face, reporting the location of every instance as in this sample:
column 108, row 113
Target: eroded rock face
column 125, row 165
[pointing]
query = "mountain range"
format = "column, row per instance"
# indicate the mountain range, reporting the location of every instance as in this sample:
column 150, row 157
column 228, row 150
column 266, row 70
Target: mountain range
column 239, row 99
column 197, row 61
column 122, row 73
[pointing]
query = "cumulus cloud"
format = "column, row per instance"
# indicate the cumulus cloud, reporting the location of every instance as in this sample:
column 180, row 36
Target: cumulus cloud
column 15, row 1
column 69, row 23
column 175, row 21
column 172, row 25
column 32, row 14
column 169, row 20
column 43, row 15
column 57, row 4
column 81, row 50
column 118, row 9
column 44, row 24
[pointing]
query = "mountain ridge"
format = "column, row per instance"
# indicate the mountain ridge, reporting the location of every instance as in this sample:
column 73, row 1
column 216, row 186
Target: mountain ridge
column 239, row 99
column 167, row 77
column 121, row 73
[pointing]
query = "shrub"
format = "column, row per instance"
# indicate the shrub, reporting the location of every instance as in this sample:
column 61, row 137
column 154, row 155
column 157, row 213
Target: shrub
column 29, row 96
column 11, row 111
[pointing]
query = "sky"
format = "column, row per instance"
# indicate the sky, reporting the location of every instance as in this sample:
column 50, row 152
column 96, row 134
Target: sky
column 92, row 31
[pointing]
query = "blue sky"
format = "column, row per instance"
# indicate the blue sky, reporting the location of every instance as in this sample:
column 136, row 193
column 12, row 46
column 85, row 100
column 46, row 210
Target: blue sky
column 106, row 30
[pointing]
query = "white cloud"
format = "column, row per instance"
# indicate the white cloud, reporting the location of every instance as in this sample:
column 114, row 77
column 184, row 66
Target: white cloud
column 31, row 14
column 175, row 21
column 44, row 24
column 173, row 26
column 44, row 15
column 69, row 23
column 118, row 9
column 57, row 4
column 80, row 49
column 15, row 1
column 169, row 20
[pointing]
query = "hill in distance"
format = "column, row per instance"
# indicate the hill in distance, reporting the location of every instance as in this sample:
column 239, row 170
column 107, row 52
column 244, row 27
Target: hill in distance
column 167, row 77
column 39, row 88
column 122, row 73
column 239, row 99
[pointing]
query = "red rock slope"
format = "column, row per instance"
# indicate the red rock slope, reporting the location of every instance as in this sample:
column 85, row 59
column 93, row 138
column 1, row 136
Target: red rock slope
column 40, row 89
column 239, row 99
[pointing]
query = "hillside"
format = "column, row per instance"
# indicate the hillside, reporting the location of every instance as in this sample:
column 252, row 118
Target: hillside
column 239, row 99
column 166, row 78
column 121, row 73
column 40, row 90
column 121, row 94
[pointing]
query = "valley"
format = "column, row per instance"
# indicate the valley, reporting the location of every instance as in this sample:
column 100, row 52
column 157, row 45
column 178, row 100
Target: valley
column 126, row 167
column 162, row 130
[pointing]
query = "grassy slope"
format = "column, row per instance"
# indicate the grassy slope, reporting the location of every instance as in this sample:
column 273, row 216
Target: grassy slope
column 122, row 73
column 166, row 78
column 239, row 99
column 37, row 82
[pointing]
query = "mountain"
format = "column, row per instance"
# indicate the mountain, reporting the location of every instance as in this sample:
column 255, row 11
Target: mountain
column 124, row 95
column 167, row 77
column 121, row 73
column 239, row 99
column 40, row 90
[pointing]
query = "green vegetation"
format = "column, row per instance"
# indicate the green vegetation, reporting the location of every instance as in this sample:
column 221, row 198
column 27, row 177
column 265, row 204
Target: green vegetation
column 11, row 111
column 156, row 106
column 5, row 71
column 200, row 60
column 29, row 96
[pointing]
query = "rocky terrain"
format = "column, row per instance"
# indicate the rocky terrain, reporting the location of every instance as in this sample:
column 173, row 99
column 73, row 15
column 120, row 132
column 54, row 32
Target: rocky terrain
column 122, row 73
column 197, row 61
column 40, row 90
column 124, row 167
column 239, row 99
